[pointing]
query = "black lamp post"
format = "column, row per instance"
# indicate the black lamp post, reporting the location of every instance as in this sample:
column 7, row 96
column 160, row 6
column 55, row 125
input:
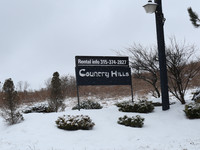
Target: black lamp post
column 156, row 7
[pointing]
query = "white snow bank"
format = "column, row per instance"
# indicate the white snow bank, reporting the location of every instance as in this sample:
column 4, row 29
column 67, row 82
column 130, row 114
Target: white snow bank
column 163, row 130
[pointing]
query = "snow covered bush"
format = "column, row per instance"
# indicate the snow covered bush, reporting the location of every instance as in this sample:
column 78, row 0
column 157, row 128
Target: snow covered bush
column 141, row 106
column 75, row 122
column 122, row 104
column 41, row 108
column 17, row 117
column 88, row 105
column 136, row 121
column 192, row 110
column 196, row 95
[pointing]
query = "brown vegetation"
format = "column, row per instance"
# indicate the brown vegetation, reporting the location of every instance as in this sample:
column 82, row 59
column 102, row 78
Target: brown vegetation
column 140, row 87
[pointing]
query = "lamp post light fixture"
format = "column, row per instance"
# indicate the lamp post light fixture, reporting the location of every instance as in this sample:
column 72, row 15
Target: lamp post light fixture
column 156, row 7
column 150, row 7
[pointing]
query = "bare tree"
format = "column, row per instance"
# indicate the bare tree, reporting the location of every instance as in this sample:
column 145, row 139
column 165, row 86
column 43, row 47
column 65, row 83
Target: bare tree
column 68, row 84
column 48, row 84
column 144, row 63
column 26, row 86
column 181, row 64
column 182, row 67
column 22, row 86
column 19, row 86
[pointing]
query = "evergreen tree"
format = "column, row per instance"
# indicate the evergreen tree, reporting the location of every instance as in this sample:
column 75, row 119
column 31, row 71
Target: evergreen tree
column 10, row 103
column 194, row 18
column 56, row 96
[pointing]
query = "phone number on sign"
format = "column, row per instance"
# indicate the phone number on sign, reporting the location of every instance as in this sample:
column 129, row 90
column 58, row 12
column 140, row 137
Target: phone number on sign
column 113, row 62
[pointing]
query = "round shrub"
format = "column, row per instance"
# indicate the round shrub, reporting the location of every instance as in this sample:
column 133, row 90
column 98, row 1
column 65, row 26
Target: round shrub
column 42, row 108
column 88, row 105
column 75, row 122
column 192, row 110
column 141, row 106
column 196, row 96
column 136, row 121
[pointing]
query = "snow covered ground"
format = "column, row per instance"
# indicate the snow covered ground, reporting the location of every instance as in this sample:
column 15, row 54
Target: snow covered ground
column 163, row 130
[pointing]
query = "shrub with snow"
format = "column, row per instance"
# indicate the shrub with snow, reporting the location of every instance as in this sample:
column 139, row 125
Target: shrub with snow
column 136, row 121
column 196, row 96
column 16, row 117
column 192, row 110
column 141, row 106
column 41, row 108
column 75, row 122
column 122, row 104
column 88, row 105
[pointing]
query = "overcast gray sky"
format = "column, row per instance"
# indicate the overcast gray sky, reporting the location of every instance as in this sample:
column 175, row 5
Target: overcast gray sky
column 39, row 37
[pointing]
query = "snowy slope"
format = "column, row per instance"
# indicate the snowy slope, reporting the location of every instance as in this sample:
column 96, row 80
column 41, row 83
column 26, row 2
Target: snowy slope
column 163, row 130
